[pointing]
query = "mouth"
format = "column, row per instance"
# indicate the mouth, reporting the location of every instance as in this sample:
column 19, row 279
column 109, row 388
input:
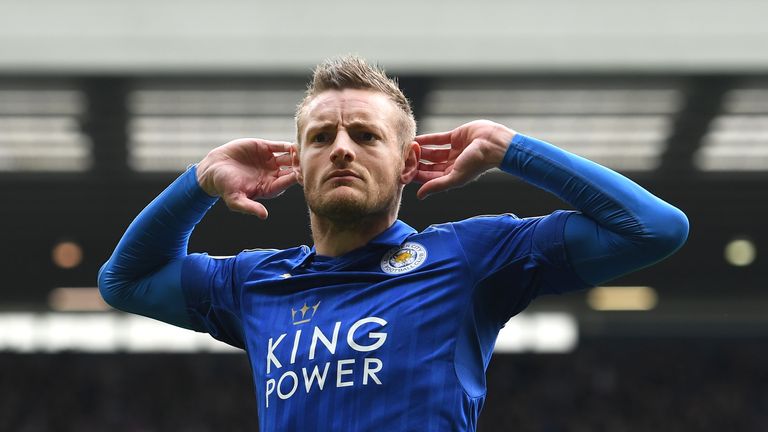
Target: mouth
column 343, row 175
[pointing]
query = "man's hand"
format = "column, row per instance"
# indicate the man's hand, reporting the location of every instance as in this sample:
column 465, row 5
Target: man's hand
column 475, row 148
column 247, row 169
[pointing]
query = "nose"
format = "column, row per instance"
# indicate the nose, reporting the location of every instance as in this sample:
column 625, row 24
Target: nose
column 343, row 151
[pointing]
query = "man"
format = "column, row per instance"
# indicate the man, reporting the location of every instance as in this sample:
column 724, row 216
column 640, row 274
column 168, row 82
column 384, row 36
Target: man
column 377, row 326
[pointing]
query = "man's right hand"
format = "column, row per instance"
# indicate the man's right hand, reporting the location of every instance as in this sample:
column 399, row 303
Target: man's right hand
column 245, row 170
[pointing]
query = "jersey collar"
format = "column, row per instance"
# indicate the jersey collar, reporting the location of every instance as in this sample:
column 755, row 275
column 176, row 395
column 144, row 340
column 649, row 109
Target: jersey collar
column 395, row 235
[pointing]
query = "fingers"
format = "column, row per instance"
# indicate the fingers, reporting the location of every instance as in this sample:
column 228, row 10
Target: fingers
column 433, row 186
column 434, row 138
column 278, row 146
column 425, row 176
column 283, row 159
column 273, row 146
column 435, row 155
column 442, row 166
column 437, row 181
column 283, row 182
column 240, row 203
column 428, row 171
column 278, row 149
column 286, row 171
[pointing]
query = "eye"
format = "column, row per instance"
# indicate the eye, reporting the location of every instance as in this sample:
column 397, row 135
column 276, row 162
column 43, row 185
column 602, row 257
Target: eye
column 364, row 136
column 321, row 137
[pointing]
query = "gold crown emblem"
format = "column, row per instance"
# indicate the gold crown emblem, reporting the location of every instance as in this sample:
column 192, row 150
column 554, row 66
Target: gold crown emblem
column 303, row 311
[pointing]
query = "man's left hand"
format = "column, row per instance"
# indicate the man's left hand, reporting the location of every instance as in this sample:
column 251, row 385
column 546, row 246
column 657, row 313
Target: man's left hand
column 475, row 147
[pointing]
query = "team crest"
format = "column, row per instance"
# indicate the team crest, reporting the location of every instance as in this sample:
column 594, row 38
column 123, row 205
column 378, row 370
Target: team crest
column 404, row 258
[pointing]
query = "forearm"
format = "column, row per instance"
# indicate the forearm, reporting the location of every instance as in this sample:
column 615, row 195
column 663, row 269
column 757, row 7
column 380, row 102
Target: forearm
column 625, row 228
column 141, row 275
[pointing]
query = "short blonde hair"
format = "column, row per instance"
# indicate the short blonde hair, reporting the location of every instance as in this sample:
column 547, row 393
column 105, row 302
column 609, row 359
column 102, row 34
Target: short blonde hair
column 353, row 72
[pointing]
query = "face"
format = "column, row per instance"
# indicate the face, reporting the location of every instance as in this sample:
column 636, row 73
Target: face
column 351, row 162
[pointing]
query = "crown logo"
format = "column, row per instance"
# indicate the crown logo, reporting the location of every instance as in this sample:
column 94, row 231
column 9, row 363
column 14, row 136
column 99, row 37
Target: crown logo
column 303, row 318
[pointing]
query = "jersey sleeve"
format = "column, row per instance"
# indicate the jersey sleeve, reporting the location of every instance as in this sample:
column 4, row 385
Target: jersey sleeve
column 620, row 227
column 151, row 274
column 212, row 296
column 143, row 274
column 513, row 260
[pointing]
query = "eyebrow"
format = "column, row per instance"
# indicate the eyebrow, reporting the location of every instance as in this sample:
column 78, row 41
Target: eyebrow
column 354, row 124
column 363, row 124
column 316, row 125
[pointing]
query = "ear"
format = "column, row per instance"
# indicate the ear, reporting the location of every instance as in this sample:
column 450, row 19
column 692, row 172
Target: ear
column 296, row 165
column 411, row 157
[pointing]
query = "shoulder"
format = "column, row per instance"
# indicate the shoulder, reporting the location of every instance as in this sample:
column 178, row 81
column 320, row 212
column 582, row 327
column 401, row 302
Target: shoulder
column 479, row 219
column 511, row 221
column 501, row 228
column 490, row 219
column 248, row 260
column 482, row 228
column 267, row 253
column 480, row 223
column 258, row 257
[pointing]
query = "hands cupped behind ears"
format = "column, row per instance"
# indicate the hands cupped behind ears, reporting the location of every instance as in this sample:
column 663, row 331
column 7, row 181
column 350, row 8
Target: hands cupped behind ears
column 454, row 158
column 247, row 169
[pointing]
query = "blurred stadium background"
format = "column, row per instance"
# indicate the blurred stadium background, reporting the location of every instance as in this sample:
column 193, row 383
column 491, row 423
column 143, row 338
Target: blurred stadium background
column 102, row 104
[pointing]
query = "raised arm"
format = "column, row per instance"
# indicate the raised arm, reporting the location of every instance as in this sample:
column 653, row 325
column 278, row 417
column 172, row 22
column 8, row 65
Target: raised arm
column 622, row 227
column 143, row 275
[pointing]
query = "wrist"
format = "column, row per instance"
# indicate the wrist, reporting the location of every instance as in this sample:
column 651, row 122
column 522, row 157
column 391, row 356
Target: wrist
column 204, row 178
column 511, row 162
column 194, row 192
column 498, row 144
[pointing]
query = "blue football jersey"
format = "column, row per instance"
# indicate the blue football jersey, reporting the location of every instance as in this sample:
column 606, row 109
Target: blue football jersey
column 393, row 336
column 396, row 335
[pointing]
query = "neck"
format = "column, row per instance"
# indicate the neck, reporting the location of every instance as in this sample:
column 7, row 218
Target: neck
column 335, row 238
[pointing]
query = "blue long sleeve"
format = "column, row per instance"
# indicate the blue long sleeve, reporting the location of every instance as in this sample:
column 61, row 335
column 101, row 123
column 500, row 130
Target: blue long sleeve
column 143, row 275
column 622, row 227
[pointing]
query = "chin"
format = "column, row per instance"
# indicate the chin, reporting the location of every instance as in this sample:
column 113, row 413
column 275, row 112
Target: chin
column 348, row 204
column 342, row 210
column 340, row 203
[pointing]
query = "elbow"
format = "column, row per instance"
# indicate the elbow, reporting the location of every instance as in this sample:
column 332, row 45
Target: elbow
column 668, row 232
column 109, row 286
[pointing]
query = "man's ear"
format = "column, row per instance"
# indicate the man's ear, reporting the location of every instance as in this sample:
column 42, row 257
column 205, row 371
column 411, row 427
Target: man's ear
column 295, row 164
column 411, row 157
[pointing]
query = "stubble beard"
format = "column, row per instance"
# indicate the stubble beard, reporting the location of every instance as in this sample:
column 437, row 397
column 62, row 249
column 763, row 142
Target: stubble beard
column 351, row 208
